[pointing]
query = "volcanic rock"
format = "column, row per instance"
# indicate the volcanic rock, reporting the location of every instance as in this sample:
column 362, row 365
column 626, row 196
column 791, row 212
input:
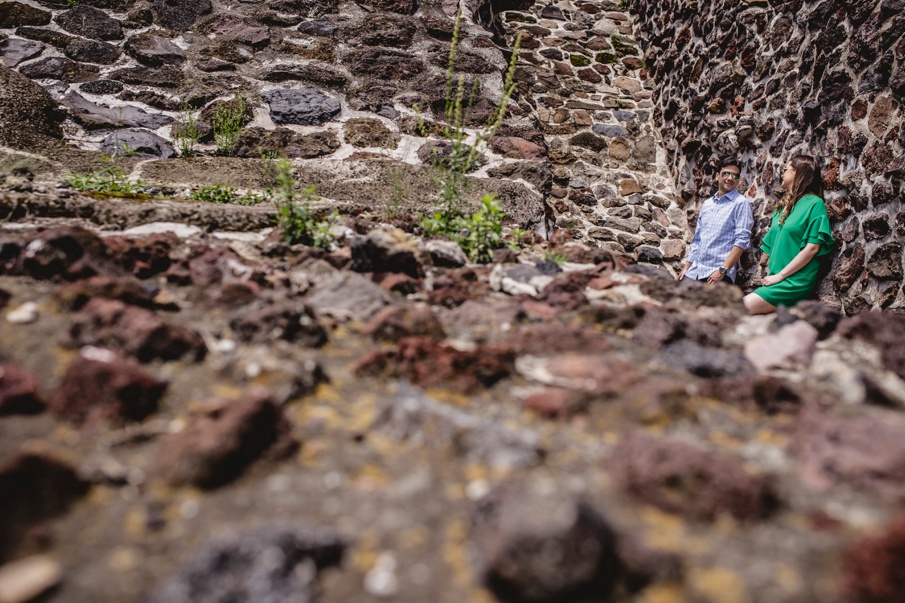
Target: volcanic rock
column 99, row 385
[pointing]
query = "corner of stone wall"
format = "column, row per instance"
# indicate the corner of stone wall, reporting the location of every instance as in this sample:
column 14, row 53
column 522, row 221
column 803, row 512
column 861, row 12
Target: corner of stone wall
column 765, row 81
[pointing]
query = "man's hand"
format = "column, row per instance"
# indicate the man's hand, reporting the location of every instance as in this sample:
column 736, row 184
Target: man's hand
column 714, row 278
column 772, row 279
column 684, row 270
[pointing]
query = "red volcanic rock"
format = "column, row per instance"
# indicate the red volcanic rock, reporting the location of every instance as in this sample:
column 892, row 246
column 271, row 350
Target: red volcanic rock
column 513, row 147
column 269, row 320
column 849, row 268
column 555, row 402
column 682, row 478
column 456, row 287
column 74, row 296
column 885, row 330
column 429, row 363
column 764, row 392
column 35, row 486
column 224, row 438
column 100, row 385
column 70, row 252
column 597, row 374
column 567, row 292
column 136, row 331
column 874, row 568
column 18, row 391
column 143, row 257
column 556, row 338
column 544, row 548
column 218, row 265
column 867, row 452
column 395, row 322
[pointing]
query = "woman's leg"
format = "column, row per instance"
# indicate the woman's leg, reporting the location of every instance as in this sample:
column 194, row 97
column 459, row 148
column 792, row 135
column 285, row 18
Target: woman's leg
column 755, row 304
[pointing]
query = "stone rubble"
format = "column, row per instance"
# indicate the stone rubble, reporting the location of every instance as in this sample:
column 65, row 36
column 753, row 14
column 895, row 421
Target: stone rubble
column 198, row 410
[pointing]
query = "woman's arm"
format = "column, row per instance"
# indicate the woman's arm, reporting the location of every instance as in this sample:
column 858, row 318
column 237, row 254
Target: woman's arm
column 798, row 262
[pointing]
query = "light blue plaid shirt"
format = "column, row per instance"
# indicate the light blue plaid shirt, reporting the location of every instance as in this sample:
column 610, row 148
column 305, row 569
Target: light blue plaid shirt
column 724, row 222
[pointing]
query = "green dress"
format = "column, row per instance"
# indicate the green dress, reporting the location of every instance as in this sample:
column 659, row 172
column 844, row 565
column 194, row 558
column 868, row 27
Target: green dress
column 808, row 222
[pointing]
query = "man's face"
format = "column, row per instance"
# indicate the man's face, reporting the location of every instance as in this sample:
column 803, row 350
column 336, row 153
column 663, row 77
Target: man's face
column 728, row 178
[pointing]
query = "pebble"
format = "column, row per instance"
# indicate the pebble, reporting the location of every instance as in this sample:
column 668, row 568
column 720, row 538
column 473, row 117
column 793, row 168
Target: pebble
column 24, row 579
column 381, row 580
column 25, row 314
column 180, row 230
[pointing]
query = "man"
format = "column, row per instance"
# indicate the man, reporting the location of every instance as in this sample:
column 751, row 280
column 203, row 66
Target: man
column 723, row 231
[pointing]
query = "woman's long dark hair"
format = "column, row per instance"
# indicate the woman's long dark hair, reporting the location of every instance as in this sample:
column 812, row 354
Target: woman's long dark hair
column 808, row 181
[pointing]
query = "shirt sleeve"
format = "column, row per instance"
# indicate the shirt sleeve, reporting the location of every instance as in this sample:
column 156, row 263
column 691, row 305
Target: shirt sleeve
column 819, row 230
column 695, row 241
column 744, row 221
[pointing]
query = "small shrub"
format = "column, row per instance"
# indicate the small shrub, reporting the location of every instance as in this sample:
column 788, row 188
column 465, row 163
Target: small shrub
column 478, row 234
column 298, row 221
column 555, row 256
column 227, row 123
column 402, row 190
column 300, row 225
column 219, row 193
column 450, row 168
column 185, row 132
column 111, row 178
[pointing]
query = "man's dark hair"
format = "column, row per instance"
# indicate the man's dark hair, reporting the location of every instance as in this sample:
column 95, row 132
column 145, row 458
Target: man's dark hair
column 731, row 161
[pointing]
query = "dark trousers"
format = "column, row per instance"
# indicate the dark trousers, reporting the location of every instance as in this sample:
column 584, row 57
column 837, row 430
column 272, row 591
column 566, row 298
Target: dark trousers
column 726, row 279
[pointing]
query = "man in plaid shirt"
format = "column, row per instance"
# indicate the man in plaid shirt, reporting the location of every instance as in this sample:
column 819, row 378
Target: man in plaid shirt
column 723, row 231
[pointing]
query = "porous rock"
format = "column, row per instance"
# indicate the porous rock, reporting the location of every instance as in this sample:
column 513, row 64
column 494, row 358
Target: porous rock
column 136, row 331
column 682, row 478
column 223, row 438
column 543, row 548
column 302, row 106
column 100, row 385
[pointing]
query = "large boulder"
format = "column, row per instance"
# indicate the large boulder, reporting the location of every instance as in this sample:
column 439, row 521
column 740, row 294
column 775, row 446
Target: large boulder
column 28, row 113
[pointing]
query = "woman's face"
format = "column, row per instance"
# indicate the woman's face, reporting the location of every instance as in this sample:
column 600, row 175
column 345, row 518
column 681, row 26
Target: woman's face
column 788, row 177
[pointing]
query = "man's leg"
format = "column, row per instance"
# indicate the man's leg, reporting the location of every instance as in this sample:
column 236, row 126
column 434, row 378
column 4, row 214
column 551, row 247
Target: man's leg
column 726, row 279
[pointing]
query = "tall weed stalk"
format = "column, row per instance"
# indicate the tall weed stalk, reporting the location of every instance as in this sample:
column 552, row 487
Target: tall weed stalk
column 450, row 169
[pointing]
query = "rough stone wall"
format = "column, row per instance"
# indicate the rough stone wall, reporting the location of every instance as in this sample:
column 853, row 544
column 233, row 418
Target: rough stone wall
column 769, row 79
column 581, row 72
column 333, row 84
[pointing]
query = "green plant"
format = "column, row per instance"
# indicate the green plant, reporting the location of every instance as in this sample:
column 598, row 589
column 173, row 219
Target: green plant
column 402, row 190
column 228, row 122
column 283, row 181
column 300, row 225
column 555, row 256
column 478, row 234
column 185, row 132
column 219, row 193
column 459, row 158
column 513, row 238
column 111, row 178
column 298, row 220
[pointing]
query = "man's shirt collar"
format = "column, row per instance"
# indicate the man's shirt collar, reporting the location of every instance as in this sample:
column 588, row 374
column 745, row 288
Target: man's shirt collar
column 730, row 196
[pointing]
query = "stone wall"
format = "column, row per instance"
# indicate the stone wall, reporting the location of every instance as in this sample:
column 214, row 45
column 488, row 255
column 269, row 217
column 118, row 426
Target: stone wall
column 769, row 79
column 332, row 83
column 583, row 79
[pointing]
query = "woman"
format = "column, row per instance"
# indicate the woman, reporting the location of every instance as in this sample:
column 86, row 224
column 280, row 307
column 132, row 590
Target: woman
column 799, row 234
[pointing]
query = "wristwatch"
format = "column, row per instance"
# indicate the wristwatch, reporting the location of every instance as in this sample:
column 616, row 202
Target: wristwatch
column 723, row 270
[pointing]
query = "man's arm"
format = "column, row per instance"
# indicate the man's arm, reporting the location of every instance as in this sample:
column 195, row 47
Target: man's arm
column 734, row 255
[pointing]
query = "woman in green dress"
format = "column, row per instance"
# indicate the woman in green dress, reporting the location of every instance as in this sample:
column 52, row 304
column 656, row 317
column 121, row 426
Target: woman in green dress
column 799, row 234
